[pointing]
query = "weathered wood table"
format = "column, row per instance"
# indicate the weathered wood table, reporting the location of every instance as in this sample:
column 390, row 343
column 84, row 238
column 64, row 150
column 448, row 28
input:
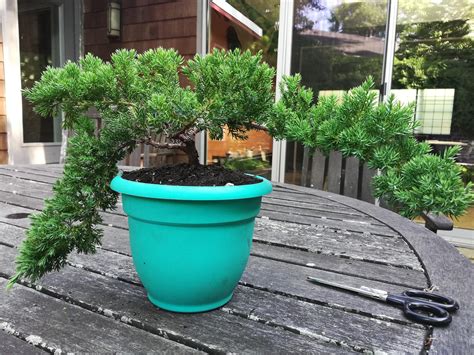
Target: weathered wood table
column 97, row 304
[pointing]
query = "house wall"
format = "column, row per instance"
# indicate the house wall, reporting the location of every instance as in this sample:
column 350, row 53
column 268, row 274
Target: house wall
column 3, row 117
column 145, row 24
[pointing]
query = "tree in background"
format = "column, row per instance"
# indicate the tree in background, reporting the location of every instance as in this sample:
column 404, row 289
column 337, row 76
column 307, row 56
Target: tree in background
column 440, row 55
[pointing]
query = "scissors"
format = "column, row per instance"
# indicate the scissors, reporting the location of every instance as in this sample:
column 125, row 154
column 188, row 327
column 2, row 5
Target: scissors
column 419, row 306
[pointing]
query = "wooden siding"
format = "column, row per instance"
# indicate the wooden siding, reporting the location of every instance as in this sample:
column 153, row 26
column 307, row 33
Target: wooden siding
column 3, row 117
column 145, row 24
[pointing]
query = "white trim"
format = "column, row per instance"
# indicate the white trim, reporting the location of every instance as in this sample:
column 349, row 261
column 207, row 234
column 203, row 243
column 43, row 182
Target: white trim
column 18, row 151
column 202, row 47
column 11, row 57
column 232, row 11
column 389, row 50
column 48, row 144
column 285, row 37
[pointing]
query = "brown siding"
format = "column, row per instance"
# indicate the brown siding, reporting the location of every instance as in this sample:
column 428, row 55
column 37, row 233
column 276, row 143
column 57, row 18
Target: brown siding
column 3, row 118
column 145, row 24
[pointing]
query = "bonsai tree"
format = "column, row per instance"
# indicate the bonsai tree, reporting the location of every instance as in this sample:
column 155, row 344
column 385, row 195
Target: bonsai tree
column 138, row 96
column 411, row 180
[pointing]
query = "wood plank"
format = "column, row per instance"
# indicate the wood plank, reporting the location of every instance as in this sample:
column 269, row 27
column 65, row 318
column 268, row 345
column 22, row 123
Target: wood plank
column 324, row 203
column 4, row 170
column 358, row 246
column 305, row 167
column 120, row 221
column 318, row 213
column 44, row 190
column 366, row 184
column 3, row 123
column 3, row 141
column 344, row 265
column 317, row 170
column 10, row 344
column 73, row 329
column 252, row 304
column 321, row 239
column 351, row 332
column 117, row 241
column 253, row 273
column 146, row 156
column 110, row 218
column 334, row 172
column 41, row 190
column 345, row 224
column 135, row 156
column 215, row 332
column 272, row 200
column 351, row 177
column 3, row 157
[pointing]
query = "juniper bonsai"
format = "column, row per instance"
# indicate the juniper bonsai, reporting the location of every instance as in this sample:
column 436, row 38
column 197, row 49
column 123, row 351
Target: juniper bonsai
column 138, row 96
column 412, row 180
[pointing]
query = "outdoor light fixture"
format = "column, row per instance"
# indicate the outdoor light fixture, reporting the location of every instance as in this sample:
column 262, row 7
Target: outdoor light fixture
column 113, row 19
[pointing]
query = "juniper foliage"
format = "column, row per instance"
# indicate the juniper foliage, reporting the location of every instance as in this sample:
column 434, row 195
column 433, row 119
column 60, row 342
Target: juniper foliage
column 412, row 180
column 138, row 96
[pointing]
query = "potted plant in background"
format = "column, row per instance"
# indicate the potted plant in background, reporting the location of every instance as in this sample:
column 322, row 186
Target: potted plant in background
column 190, row 244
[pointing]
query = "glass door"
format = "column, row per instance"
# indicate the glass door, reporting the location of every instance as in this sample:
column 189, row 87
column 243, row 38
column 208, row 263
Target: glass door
column 38, row 49
column 336, row 45
column 253, row 25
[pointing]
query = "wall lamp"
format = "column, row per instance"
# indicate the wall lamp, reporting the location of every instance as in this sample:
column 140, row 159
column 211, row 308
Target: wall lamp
column 113, row 18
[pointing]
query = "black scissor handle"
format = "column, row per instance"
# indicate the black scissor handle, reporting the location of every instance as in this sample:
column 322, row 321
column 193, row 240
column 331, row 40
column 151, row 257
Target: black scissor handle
column 425, row 313
column 432, row 299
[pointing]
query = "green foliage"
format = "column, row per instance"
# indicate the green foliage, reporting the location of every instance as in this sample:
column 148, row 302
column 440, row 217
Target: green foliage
column 246, row 164
column 138, row 96
column 438, row 54
column 426, row 183
column 233, row 89
column 412, row 180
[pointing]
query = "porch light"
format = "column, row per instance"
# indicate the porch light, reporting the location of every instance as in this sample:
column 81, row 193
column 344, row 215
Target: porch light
column 113, row 19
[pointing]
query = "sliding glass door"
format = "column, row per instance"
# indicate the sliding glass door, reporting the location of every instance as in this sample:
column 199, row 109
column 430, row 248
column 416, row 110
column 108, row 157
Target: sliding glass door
column 336, row 45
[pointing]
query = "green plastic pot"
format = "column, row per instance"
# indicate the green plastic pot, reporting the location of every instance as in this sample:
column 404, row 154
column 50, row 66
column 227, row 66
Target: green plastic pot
column 190, row 245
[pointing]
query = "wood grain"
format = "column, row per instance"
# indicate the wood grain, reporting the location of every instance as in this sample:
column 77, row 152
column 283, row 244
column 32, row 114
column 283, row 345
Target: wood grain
column 273, row 309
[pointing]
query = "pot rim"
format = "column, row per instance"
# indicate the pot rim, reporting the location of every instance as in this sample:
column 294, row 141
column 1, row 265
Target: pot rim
column 193, row 193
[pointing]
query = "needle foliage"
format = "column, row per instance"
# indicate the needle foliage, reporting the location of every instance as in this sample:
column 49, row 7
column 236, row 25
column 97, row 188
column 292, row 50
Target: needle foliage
column 138, row 96
column 412, row 180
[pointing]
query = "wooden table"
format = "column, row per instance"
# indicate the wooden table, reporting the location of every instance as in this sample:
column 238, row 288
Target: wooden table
column 97, row 304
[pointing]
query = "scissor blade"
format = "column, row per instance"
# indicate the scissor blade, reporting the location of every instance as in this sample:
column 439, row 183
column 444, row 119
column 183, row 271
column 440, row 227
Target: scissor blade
column 365, row 291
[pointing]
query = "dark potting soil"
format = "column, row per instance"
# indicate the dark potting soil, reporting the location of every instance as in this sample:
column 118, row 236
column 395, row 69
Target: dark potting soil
column 190, row 175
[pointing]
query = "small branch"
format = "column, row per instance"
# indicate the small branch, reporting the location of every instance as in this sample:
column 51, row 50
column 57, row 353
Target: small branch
column 258, row 127
column 163, row 145
column 189, row 134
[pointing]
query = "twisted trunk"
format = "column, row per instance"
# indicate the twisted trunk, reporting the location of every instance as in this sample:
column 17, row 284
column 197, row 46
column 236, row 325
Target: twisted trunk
column 191, row 152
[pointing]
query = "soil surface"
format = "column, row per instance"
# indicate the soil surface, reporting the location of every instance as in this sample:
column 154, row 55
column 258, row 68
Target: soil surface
column 190, row 175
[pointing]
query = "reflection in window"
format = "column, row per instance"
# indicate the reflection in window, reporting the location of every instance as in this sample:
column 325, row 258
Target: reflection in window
column 36, row 53
column 435, row 47
column 434, row 69
column 245, row 24
column 336, row 45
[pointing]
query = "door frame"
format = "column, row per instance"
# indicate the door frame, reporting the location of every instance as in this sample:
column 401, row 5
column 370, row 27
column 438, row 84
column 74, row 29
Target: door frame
column 69, row 47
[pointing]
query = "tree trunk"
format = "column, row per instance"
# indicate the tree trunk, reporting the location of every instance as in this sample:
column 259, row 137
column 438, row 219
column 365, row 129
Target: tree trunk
column 191, row 152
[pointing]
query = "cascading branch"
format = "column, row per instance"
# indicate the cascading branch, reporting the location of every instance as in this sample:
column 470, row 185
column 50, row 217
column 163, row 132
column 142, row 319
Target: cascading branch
column 412, row 180
column 138, row 96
